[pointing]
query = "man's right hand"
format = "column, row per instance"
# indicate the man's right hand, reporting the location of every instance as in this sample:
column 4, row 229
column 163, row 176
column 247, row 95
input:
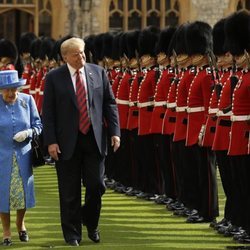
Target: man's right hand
column 54, row 150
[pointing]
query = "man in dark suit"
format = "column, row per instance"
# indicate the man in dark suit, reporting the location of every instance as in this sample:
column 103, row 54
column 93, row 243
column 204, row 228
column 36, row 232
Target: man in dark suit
column 79, row 151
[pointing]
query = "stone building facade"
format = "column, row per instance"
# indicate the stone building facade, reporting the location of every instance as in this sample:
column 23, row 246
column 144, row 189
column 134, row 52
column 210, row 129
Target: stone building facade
column 57, row 18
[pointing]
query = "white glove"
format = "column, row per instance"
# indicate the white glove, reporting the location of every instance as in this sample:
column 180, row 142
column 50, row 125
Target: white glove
column 22, row 135
column 201, row 134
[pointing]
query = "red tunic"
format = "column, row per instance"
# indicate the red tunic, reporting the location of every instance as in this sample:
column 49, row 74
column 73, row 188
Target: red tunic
column 160, row 100
column 33, row 83
column 210, row 126
column 198, row 103
column 133, row 112
column 239, row 140
column 181, row 105
column 116, row 82
column 169, row 119
column 27, row 72
column 40, row 93
column 223, row 123
column 145, row 101
column 122, row 99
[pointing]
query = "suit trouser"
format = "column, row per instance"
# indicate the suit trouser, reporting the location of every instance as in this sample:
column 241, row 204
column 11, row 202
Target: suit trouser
column 86, row 167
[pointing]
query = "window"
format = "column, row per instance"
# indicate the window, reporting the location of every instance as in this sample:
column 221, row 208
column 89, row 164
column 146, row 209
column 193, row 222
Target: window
column 45, row 17
column 243, row 4
column 137, row 14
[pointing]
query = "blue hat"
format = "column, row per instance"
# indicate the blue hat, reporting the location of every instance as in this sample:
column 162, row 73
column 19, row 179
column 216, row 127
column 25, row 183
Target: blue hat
column 9, row 79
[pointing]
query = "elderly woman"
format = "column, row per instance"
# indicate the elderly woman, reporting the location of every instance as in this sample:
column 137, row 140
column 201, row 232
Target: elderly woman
column 19, row 118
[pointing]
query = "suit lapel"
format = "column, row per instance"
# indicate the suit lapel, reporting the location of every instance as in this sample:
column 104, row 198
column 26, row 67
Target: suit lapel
column 90, row 82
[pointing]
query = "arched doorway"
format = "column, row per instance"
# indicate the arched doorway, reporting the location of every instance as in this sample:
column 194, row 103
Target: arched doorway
column 14, row 22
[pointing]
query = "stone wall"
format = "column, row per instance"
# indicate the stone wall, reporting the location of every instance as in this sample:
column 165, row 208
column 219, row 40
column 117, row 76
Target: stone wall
column 210, row 11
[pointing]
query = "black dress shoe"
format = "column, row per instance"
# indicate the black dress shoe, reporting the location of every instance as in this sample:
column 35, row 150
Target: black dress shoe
column 7, row 242
column 244, row 240
column 73, row 243
column 94, row 235
column 23, row 236
column 195, row 219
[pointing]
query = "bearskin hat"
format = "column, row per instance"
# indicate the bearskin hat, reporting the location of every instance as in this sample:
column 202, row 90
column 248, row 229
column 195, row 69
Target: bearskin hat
column 107, row 45
column 123, row 45
column 199, row 38
column 164, row 40
column 46, row 48
column 35, row 48
column 55, row 53
column 180, row 46
column 147, row 41
column 98, row 47
column 89, row 48
column 8, row 49
column 25, row 42
column 219, row 37
column 132, row 43
column 237, row 33
column 115, row 46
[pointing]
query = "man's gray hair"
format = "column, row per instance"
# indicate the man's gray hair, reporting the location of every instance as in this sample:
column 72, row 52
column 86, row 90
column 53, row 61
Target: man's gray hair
column 71, row 43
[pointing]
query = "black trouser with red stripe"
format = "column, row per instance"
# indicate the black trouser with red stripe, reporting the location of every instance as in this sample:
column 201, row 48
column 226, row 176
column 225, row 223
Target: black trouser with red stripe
column 204, row 183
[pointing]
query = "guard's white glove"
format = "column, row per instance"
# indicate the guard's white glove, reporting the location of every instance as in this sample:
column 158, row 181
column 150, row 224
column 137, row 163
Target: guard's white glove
column 201, row 135
column 22, row 135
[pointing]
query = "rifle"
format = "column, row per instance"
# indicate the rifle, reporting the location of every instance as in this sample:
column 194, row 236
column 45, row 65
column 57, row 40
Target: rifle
column 91, row 57
column 126, row 60
column 215, row 73
column 248, row 58
column 175, row 79
column 140, row 77
column 233, row 81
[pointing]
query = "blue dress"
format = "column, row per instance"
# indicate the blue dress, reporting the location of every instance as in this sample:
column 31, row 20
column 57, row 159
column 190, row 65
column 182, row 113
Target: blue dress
column 15, row 157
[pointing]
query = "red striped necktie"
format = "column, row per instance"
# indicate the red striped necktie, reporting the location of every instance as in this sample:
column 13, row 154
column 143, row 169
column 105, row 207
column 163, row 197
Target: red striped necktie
column 84, row 122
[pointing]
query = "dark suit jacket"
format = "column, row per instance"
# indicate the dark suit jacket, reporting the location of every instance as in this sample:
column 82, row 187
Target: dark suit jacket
column 60, row 112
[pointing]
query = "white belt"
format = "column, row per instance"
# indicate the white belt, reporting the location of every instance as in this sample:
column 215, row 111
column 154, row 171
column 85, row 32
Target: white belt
column 145, row 104
column 162, row 103
column 171, row 104
column 26, row 86
column 41, row 92
column 195, row 109
column 32, row 92
column 240, row 118
column 221, row 113
column 181, row 109
column 119, row 101
column 132, row 104
column 213, row 111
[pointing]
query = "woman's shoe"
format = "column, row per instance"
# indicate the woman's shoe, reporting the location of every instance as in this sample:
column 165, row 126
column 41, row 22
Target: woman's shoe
column 23, row 236
column 7, row 242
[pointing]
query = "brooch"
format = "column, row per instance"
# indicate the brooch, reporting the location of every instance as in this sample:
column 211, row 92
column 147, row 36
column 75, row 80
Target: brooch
column 23, row 103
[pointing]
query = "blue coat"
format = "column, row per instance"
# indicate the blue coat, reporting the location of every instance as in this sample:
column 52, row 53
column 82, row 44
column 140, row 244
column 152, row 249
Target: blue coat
column 14, row 118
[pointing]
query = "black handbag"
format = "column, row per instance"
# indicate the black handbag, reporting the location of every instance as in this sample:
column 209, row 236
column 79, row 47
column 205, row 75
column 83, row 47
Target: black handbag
column 37, row 150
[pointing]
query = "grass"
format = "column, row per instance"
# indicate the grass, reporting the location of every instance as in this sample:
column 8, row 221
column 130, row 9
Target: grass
column 126, row 223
